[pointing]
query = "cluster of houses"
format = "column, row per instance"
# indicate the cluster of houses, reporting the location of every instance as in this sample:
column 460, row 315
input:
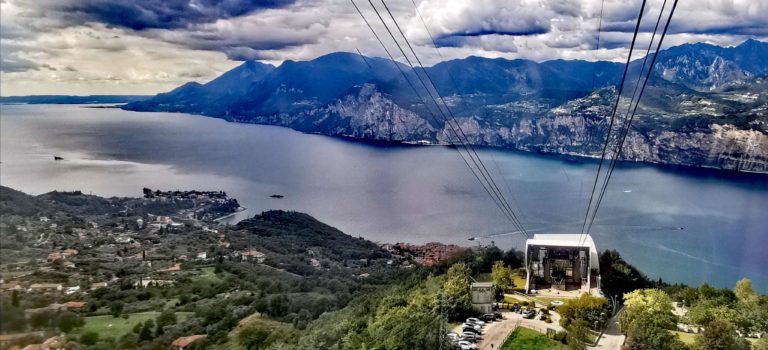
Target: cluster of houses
column 7, row 287
column 427, row 254
column 210, row 195
column 61, row 254
column 163, row 222
column 243, row 255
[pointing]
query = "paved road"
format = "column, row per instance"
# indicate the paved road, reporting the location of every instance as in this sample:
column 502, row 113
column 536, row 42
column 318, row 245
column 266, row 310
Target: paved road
column 612, row 339
column 495, row 333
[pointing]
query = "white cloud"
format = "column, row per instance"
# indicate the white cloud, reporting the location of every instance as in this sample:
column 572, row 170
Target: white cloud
column 87, row 55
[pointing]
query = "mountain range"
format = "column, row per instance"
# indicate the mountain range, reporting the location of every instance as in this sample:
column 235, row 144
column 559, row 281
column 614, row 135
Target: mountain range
column 705, row 105
column 68, row 99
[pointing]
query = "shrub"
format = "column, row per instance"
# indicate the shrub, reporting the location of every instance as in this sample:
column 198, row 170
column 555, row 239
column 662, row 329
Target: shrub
column 116, row 308
column 720, row 335
column 586, row 307
column 89, row 338
column 561, row 336
column 68, row 321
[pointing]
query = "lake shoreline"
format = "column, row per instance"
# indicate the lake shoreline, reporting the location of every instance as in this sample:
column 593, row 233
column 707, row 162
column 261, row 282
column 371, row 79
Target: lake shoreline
column 408, row 143
column 397, row 192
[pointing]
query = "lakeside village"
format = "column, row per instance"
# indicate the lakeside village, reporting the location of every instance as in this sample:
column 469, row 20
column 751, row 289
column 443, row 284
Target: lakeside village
column 59, row 256
column 159, row 272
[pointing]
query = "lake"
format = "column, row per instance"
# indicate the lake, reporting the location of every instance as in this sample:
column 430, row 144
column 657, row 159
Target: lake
column 397, row 193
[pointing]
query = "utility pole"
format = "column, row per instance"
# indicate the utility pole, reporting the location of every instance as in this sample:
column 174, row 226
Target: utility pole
column 443, row 329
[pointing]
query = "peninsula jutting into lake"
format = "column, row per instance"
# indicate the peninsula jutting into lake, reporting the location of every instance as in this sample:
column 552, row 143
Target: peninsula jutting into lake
column 383, row 175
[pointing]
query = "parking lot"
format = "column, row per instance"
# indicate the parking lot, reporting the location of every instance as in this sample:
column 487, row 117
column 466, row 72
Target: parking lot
column 495, row 333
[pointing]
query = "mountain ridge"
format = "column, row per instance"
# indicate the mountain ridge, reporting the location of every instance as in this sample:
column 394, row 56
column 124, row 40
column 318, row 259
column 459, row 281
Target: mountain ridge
column 696, row 91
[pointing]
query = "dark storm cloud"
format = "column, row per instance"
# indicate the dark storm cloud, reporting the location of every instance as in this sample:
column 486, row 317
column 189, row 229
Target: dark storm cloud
column 471, row 39
column 535, row 29
column 148, row 14
column 712, row 17
column 15, row 64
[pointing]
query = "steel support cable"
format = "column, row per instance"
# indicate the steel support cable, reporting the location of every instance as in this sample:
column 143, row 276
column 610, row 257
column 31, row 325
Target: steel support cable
column 599, row 31
column 451, row 127
column 455, row 86
column 613, row 116
column 467, row 144
column 427, row 108
column 645, row 59
column 642, row 90
column 624, row 130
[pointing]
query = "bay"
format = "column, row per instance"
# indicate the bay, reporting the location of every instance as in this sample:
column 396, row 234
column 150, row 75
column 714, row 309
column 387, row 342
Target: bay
column 677, row 223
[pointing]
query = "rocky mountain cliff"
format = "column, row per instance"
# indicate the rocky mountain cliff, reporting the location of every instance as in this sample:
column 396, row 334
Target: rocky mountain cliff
column 705, row 105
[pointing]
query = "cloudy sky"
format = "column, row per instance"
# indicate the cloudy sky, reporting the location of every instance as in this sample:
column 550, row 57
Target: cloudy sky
column 149, row 46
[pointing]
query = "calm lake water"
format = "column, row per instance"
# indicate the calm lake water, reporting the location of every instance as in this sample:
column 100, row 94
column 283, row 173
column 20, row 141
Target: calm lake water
column 391, row 193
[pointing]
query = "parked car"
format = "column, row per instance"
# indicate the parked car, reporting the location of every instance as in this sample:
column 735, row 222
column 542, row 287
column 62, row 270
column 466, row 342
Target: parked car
column 529, row 313
column 470, row 329
column 472, row 335
column 476, row 321
column 488, row 318
column 498, row 315
column 452, row 336
column 465, row 345
column 515, row 308
column 469, row 339
column 473, row 326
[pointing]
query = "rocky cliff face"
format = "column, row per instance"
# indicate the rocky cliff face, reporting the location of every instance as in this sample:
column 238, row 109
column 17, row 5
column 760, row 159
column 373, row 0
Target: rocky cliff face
column 723, row 146
column 578, row 128
column 365, row 113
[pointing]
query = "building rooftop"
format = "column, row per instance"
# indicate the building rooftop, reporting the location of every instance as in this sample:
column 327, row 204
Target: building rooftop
column 562, row 240
column 482, row 284
column 184, row 341
column 574, row 240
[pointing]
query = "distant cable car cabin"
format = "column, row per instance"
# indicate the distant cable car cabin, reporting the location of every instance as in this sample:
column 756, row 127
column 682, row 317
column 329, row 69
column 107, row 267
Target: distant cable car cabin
column 558, row 263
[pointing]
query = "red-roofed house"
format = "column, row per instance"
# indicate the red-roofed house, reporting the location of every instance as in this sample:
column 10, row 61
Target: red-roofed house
column 183, row 342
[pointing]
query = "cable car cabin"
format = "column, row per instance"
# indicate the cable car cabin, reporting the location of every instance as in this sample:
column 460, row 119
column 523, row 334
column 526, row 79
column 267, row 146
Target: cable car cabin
column 562, row 262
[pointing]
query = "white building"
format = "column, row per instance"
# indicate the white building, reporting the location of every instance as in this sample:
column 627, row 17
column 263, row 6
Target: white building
column 562, row 262
column 253, row 255
column 482, row 296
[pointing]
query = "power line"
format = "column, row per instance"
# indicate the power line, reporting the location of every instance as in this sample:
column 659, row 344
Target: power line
column 364, row 59
column 637, row 103
column 615, row 156
column 500, row 206
column 455, row 87
column 625, row 128
column 492, row 192
column 450, row 117
column 613, row 117
column 599, row 31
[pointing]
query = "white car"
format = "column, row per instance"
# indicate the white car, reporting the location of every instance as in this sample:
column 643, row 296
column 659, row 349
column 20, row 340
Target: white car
column 465, row 345
column 452, row 336
column 471, row 335
column 472, row 325
column 475, row 321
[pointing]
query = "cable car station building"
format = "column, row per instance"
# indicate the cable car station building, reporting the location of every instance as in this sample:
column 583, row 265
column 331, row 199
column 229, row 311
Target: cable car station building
column 562, row 264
